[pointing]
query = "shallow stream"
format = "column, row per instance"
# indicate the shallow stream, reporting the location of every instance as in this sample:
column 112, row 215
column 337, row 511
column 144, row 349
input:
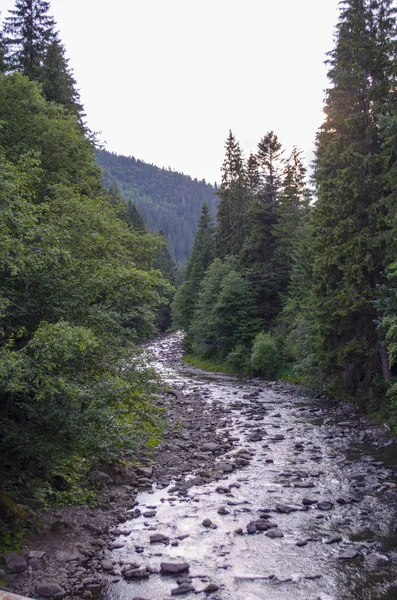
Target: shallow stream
column 331, row 493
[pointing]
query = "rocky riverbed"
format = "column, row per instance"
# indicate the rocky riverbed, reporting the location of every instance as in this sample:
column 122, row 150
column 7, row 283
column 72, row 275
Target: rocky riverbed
column 256, row 492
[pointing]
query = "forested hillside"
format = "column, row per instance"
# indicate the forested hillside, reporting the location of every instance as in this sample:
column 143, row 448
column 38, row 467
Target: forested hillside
column 167, row 200
column 81, row 282
column 301, row 283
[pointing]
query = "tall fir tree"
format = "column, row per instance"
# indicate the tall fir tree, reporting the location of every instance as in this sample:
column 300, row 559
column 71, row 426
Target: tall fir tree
column 58, row 82
column 231, row 215
column 258, row 256
column 349, row 225
column 291, row 203
column 200, row 258
column 29, row 31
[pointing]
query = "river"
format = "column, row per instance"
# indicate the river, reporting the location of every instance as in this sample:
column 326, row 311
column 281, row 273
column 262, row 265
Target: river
column 318, row 496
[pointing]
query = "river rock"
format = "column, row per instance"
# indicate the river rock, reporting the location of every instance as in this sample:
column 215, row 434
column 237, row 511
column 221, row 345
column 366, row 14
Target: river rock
column 107, row 565
column 61, row 527
column 184, row 588
column 334, row 540
column 49, row 589
column 274, row 533
column 209, row 447
column 136, row 574
column 348, row 554
column 174, row 568
column 325, row 505
column 145, row 471
column 15, row 563
column 211, row 587
column 309, row 501
column 65, row 556
column 99, row 477
column 286, row 508
column 157, row 538
column 223, row 511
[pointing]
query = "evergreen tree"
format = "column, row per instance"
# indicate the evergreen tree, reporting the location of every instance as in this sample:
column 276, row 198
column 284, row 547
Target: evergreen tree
column 231, row 215
column 58, row 82
column 200, row 258
column 3, row 53
column 135, row 218
column 164, row 263
column 29, row 31
column 349, row 223
column 290, row 207
column 258, row 255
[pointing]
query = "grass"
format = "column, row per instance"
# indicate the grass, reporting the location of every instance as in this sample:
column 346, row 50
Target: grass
column 208, row 364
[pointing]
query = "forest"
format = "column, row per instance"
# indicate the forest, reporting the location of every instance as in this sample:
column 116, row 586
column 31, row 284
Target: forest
column 297, row 277
column 167, row 200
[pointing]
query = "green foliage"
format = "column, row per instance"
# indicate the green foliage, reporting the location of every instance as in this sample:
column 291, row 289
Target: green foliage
column 349, row 225
column 200, row 258
column 266, row 358
column 166, row 199
column 78, row 285
column 208, row 364
column 239, row 359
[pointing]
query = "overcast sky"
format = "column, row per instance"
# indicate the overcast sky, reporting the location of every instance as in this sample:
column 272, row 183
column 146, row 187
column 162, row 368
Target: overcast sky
column 165, row 80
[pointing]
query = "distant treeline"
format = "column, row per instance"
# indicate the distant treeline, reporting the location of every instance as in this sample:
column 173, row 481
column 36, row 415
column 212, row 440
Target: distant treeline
column 166, row 199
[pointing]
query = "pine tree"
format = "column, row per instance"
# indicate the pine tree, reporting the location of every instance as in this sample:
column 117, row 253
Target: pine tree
column 3, row 53
column 258, row 256
column 200, row 258
column 29, row 31
column 165, row 264
column 349, row 217
column 231, row 215
column 135, row 218
column 290, row 208
column 58, row 82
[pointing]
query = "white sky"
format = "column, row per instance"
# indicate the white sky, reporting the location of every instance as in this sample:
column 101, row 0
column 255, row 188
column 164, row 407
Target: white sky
column 165, row 80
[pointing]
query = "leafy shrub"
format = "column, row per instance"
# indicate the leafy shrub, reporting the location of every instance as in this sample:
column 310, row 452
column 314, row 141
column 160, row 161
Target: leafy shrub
column 240, row 359
column 266, row 358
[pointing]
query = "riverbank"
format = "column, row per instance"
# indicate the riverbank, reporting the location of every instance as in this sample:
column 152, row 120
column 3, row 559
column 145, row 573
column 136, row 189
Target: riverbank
column 237, row 455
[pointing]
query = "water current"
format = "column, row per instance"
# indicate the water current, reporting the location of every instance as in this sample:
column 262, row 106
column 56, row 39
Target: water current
column 332, row 495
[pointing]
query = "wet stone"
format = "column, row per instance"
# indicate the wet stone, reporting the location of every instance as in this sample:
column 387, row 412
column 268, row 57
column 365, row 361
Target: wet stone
column 15, row 563
column 50, row 589
column 184, row 588
column 274, row 534
column 137, row 574
column 348, row 554
column 174, row 568
column 334, row 540
column 325, row 505
column 157, row 538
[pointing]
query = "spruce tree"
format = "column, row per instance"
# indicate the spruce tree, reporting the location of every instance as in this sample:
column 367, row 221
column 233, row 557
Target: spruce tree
column 231, row 215
column 349, row 222
column 258, row 256
column 200, row 258
column 29, row 31
column 58, row 82
column 3, row 53
column 290, row 208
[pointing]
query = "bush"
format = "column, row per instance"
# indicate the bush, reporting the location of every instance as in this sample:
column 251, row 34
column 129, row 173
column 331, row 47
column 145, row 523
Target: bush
column 266, row 359
column 240, row 359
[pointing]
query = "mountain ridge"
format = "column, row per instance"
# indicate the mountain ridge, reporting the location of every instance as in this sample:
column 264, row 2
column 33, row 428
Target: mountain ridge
column 168, row 200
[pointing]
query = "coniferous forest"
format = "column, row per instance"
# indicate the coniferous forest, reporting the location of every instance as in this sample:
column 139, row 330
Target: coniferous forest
column 167, row 200
column 296, row 278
